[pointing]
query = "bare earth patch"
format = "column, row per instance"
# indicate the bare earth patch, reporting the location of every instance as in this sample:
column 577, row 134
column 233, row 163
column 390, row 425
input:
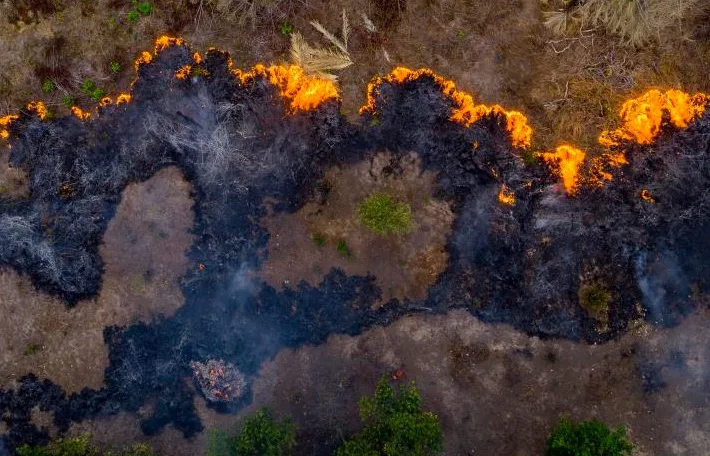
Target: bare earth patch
column 143, row 251
column 404, row 265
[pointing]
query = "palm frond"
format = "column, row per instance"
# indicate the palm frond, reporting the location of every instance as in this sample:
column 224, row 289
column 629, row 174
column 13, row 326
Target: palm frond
column 346, row 29
column 330, row 37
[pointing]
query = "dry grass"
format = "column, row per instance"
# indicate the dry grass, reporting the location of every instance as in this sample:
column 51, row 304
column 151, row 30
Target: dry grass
column 635, row 22
column 320, row 61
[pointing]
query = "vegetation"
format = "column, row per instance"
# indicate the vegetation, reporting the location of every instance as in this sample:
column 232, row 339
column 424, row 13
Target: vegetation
column 587, row 438
column 636, row 22
column 319, row 61
column 48, row 86
column 318, row 239
column 258, row 435
column 286, row 29
column 90, row 89
column 115, row 67
column 31, row 349
column 595, row 298
column 68, row 101
column 81, row 446
column 383, row 215
column 343, row 249
column 395, row 425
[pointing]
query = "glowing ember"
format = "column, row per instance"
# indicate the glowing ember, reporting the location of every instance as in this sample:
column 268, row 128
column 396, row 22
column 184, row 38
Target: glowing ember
column 600, row 169
column 123, row 98
column 303, row 92
column 77, row 111
column 183, row 72
column 38, row 108
column 197, row 57
column 105, row 101
column 218, row 380
column 646, row 196
column 642, row 117
column 567, row 160
column 466, row 112
column 5, row 122
column 506, row 196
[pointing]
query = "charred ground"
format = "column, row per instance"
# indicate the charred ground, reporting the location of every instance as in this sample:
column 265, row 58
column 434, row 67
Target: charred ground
column 238, row 145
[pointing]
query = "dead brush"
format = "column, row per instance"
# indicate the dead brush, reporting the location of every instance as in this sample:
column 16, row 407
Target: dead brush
column 635, row 22
column 321, row 61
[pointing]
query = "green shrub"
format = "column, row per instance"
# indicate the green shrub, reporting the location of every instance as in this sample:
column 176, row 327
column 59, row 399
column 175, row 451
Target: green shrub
column 394, row 425
column 81, row 446
column 257, row 435
column 115, row 67
column 595, row 298
column 133, row 16
column 383, row 215
column 587, row 438
column 145, row 8
column 48, row 86
column 318, row 239
column 286, row 29
column 68, row 101
column 343, row 249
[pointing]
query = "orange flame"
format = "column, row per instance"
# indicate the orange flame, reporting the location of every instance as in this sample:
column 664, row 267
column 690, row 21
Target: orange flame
column 506, row 196
column 183, row 72
column 166, row 41
column 567, row 160
column 466, row 112
column 303, row 92
column 197, row 57
column 38, row 108
column 105, row 101
column 646, row 196
column 600, row 169
column 5, row 122
column 145, row 57
column 642, row 117
column 82, row 115
column 123, row 98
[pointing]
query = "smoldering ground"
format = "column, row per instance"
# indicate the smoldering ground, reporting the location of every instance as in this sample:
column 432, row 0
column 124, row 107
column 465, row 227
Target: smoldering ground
column 238, row 144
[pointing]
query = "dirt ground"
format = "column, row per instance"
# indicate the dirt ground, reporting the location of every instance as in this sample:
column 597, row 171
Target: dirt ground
column 495, row 390
column 143, row 251
column 404, row 265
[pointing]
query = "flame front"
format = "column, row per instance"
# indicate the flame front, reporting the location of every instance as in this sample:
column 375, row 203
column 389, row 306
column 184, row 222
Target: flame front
column 302, row 92
column 5, row 122
column 506, row 196
column 466, row 112
column 79, row 113
column 567, row 160
column 38, row 108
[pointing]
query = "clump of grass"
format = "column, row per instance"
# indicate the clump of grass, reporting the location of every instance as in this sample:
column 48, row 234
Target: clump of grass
column 286, row 29
column 595, row 298
column 383, row 215
column 343, row 249
column 31, row 349
column 115, row 67
column 68, row 101
column 48, row 86
column 133, row 16
column 318, row 239
column 636, row 22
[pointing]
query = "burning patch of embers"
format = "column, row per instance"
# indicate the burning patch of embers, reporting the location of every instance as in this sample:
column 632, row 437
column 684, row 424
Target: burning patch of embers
column 465, row 112
column 218, row 380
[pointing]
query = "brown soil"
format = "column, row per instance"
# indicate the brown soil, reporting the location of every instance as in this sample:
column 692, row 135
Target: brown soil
column 143, row 251
column 496, row 391
column 404, row 265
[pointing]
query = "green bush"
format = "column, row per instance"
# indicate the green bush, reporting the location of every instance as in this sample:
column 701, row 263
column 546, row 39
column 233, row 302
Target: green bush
column 68, row 101
column 48, row 86
column 133, row 16
column 587, row 438
column 258, row 435
column 383, row 215
column 81, row 446
column 395, row 425
column 115, row 67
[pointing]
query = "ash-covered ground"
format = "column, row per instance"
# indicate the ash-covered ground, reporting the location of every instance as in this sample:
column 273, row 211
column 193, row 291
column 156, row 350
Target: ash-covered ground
column 239, row 146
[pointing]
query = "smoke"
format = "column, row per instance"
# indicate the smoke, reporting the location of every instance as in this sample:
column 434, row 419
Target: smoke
column 240, row 142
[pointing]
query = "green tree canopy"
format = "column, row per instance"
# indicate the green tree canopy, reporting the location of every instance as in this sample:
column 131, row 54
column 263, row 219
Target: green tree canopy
column 257, row 435
column 587, row 438
column 395, row 425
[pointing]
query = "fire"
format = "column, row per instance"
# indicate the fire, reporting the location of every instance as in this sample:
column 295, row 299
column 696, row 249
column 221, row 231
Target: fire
column 568, row 160
column 145, row 57
column 646, row 196
column 600, row 169
column 5, row 122
column 166, row 41
column 506, row 196
column 38, row 108
column 466, row 112
column 642, row 117
column 77, row 111
column 105, row 101
column 197, row 57
column 183, row 72
column 303, row 92
column 123, row 98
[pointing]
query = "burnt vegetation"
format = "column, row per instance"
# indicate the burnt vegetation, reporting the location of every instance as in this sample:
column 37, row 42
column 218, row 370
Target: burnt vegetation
column 517, row 264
